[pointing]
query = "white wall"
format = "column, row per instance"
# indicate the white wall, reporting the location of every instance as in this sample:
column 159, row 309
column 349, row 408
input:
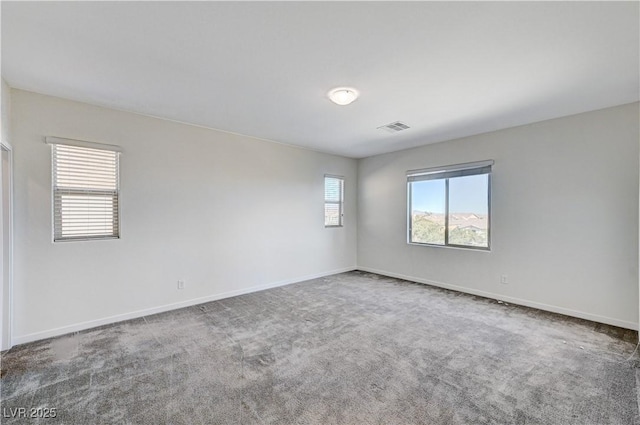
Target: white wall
column 227, row 213
column 5, row 123
column 230, row 214
column 564, row 216
column 5, row 219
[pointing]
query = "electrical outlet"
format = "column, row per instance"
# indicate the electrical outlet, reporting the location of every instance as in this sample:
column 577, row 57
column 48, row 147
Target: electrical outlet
column 181, row 284
column 503, row 279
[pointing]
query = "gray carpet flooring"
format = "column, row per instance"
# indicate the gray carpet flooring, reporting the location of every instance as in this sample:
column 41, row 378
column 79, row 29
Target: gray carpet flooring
column 354, row 348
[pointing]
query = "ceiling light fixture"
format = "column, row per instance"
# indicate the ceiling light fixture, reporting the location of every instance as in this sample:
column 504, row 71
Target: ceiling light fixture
column 343, row 95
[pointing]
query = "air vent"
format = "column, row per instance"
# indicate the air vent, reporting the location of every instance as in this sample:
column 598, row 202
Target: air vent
column 394, row 127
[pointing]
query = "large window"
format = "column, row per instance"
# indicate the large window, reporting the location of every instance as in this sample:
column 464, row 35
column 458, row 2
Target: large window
column 450, row 206
column 85, row 179
column 333, row 201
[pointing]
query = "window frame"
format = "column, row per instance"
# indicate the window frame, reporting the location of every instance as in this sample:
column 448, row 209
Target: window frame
column 83, row 191
column 340, row 203
column 449, row 172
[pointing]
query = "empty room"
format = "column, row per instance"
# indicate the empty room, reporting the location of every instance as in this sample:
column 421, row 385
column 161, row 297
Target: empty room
column 320, row 213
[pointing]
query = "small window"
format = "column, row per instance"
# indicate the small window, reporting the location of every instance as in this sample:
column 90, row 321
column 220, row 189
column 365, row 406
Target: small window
column 333, row 201
column 86, row 191
column 450, row 206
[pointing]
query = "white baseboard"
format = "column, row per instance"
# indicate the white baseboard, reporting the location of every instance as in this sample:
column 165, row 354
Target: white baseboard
column 22, row 339
column 540, row 306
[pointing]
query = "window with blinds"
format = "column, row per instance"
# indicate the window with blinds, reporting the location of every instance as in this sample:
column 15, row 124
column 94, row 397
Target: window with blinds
column 85, row 190
column 451, row 205
column 333, row 201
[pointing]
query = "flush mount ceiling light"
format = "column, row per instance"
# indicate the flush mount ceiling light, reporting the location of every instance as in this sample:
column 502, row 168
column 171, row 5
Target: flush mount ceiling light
column 343, row 95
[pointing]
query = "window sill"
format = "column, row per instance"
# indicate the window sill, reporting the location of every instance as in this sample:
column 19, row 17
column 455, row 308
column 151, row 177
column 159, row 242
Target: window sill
column 463, row 248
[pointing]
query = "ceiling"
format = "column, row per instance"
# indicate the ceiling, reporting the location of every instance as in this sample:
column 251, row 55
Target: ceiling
column 263, row 69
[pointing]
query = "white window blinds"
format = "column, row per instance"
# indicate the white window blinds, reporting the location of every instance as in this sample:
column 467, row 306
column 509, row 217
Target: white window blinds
column 85, row 190
column 333, row 200
column 457, row 170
